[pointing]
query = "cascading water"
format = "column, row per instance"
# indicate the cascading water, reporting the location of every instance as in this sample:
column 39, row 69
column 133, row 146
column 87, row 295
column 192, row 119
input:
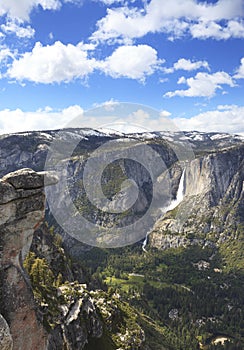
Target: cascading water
column 179, row 195
column 171, row 206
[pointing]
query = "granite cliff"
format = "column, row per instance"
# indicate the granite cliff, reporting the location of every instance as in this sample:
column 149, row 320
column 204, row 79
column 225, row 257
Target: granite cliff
column 21, row 212
column 212, row 209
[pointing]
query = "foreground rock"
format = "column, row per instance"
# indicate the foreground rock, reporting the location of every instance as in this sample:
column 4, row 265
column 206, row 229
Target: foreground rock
column 6, row 340
column 22, row 205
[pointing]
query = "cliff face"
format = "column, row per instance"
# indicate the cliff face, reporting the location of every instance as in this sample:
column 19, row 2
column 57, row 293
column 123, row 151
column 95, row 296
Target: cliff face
column 21, row 211
column 213, row 204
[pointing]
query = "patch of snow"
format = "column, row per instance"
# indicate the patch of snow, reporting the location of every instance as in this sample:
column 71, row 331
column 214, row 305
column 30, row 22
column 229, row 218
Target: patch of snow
column 108, row 131
column 219, row 136
column 47, row 136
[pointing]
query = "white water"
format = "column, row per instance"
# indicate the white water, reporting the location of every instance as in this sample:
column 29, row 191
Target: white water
column 179, row 196
column 145, row 242
column 171, row 206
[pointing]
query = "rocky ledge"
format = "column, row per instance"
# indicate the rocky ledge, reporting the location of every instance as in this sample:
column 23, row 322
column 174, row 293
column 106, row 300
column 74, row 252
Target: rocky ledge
column 22, row 206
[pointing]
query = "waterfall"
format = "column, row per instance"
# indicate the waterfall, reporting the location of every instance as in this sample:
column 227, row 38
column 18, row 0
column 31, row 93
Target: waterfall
column 171, row 206
column 179, row 195
column 145, row 242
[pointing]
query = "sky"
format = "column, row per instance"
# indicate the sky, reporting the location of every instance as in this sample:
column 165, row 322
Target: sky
column 184, row 58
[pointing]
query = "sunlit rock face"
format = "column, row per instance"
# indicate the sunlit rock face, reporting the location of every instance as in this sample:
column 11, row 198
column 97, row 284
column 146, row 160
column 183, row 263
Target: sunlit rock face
column 22, row 206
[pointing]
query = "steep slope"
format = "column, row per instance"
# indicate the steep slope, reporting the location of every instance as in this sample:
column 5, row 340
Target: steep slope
column 213, row 204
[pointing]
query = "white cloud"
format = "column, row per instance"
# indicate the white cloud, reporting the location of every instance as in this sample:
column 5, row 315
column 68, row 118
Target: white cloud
column 63, row 63
column 111, row 2
column 46, row 119
column 21, row 9
column 240, row 71
column 165, row 114
column 53, row 63
column 211, row 29
column 108, row 105
column 188, row 65
column 175, row 17
column 163, row 80
column 227, row 118
column 14, row 27
column 135, row 62
column 137, row 119
column 51, row 36
column 203, row 84
column 6, row 53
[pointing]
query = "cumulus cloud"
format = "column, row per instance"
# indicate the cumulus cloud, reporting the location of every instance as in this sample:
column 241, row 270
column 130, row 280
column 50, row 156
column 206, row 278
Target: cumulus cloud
column 63, row 63
column 211, row 29
column 175, row 17
column 14, row 27
column 53, row 63
column 240, row 71
column 21, row 9
column 188, row 65
column 202, row 85
column 135, row 62
column 227, row 118
column 42, row 119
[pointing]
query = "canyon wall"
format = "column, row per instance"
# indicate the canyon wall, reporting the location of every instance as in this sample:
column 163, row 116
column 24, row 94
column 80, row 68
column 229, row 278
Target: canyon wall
column 213, row 204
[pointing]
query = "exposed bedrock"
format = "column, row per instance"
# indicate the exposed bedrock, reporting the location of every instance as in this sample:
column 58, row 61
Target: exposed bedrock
column 22, row 206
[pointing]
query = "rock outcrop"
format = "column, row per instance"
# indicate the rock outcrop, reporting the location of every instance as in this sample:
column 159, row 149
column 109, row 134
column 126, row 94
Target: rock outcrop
column 22, row 206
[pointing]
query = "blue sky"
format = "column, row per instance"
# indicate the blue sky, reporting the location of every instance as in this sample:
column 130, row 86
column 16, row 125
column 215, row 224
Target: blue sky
column 61, row 57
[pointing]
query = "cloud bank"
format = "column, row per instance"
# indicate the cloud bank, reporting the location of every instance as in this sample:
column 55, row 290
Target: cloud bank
column 226, row 118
